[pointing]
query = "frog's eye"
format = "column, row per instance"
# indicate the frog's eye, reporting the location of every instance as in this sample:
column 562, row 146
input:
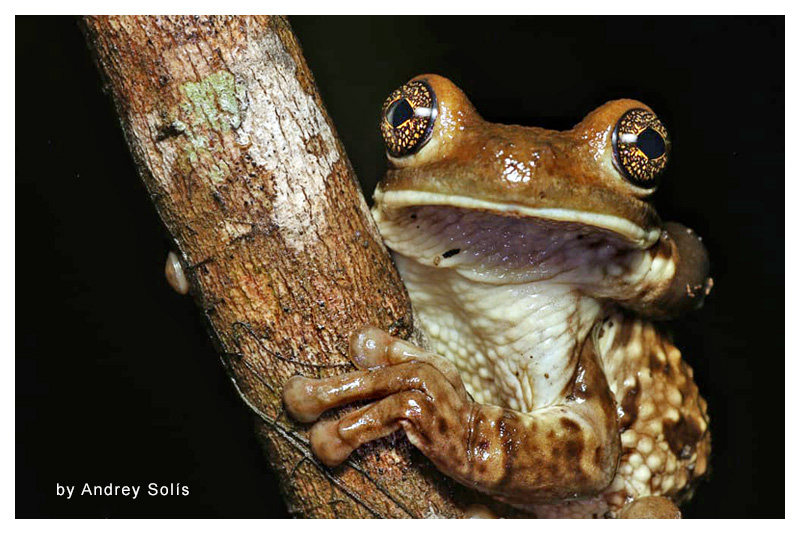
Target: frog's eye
column 641, row 148
column 407, row 118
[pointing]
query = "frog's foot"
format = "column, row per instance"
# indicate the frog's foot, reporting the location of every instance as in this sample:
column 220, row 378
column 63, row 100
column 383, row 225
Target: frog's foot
column 420, row 392
column 652, row 507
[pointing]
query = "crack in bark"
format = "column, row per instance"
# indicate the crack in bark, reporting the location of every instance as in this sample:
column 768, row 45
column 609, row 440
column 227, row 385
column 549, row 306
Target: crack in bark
column 278, row 356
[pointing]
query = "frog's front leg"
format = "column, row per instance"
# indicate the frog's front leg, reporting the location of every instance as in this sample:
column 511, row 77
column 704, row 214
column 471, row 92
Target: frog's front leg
column 563, row 451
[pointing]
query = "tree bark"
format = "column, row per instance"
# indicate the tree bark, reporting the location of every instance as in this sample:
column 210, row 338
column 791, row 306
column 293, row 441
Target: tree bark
column 241, row 160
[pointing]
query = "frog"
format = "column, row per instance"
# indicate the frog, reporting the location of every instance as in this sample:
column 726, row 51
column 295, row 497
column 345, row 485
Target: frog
column 540, row 275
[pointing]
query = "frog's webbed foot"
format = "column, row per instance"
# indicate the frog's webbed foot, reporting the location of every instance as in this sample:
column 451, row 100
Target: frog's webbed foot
column 419, row 392
column 652, row 507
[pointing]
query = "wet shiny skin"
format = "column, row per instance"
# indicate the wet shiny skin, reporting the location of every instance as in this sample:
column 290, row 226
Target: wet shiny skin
column 535, row 270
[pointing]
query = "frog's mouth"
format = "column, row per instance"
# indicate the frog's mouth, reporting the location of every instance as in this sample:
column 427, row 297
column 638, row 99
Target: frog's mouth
column 633, row 234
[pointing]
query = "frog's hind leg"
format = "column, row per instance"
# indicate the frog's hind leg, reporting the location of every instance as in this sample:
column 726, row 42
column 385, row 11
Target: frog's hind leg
column 651, row 507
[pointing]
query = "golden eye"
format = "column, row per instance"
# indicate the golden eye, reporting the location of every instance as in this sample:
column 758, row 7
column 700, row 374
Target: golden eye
column 641, row 148
column 407, row 118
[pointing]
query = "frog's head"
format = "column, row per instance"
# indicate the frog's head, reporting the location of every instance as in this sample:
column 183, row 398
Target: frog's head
column 505, row 203
column 600, row 174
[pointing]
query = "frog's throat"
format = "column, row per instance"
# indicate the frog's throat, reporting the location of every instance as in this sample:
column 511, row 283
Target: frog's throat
column 639, row 237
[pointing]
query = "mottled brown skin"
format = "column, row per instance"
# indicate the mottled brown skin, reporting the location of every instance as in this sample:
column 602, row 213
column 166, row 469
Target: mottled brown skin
column 565, row 451
column 571, row 449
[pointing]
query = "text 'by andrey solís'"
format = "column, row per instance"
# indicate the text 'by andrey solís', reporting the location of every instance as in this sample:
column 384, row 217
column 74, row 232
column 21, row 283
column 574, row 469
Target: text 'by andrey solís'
column 121, row 490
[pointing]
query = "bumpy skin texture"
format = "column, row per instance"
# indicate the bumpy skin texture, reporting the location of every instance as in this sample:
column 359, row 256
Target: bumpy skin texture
column 663, row 423
column 535, row 270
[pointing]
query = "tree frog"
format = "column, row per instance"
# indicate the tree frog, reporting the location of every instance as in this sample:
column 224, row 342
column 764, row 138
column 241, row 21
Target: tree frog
column 537, row 268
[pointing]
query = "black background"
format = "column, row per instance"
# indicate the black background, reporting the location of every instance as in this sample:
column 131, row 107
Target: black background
column 115, row 379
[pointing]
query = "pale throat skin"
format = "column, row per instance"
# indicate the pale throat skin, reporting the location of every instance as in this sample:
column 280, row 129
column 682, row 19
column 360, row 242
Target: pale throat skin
column 535, row 268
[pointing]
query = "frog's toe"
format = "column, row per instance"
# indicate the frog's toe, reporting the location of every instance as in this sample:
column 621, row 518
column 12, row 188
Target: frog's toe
column 651, row 507
column 333, row 441
column 479, row 511
column 371, row 347
column 327, row 444
column 307, row 398
column 301, row 400
column 413, row 396
column 176, row 277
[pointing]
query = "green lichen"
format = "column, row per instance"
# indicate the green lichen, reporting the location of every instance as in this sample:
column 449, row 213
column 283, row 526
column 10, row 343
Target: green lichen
column 211, row 104
column 217, row 173
column 213, row 101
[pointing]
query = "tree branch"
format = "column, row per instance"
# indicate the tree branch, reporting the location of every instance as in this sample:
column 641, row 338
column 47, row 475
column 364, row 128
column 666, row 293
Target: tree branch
column 244, row 167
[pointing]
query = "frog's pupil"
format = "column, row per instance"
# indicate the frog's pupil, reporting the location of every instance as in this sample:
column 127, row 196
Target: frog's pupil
column 400, row 112
column 651, row 143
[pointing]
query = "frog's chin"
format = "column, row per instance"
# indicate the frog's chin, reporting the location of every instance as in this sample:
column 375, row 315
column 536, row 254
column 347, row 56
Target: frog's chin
column 632, row 233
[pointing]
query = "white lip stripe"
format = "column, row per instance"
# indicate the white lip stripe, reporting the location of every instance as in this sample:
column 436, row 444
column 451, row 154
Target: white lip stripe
column 639, row 236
